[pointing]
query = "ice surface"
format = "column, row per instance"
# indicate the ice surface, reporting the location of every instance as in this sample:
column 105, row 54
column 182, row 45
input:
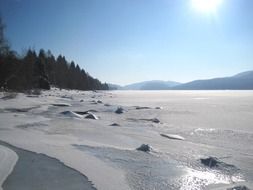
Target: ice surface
column 212, row 123
column 40, row 172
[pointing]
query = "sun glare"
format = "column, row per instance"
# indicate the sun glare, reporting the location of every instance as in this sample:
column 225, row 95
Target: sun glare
column 206, row 6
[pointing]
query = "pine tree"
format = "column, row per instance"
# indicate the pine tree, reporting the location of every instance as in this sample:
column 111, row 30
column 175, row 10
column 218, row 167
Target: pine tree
column 4, row 48
column 38, row 71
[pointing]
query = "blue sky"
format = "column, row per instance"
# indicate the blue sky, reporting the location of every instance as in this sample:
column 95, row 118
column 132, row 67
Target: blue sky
column 126, row 41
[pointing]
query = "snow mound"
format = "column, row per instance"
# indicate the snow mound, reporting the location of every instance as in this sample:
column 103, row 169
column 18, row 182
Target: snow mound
column 71, row 114
column 173, row 136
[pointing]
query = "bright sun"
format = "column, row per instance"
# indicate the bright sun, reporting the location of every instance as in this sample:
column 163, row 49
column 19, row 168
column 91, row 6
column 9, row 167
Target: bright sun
column 206, row 6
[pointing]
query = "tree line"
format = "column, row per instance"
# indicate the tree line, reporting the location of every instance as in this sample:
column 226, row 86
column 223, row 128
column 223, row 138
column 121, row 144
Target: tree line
column 41, row 70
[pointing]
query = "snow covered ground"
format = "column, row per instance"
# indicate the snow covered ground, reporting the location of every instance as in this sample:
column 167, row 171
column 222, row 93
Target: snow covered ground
column 84, row 132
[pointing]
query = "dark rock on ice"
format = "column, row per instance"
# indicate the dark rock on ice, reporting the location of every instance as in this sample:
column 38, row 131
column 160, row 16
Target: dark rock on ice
column 210, row 162
column 85, row 112
column 239, row 188
column 94, row 102
column 115, row 124
column 155, row 120
column 61, row 105
column 144, row 148
column 91, row 116
column 215, row 163
column 82, row 112
column 142, row 107
column 119, row 110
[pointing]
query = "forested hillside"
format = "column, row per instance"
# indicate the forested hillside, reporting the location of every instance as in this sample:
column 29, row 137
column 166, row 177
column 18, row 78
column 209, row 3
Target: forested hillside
column 41, row 71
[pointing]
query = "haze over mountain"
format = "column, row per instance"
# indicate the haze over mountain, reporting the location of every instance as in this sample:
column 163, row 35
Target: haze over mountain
column 241, row 81
column 146, row 85
column 151, row 85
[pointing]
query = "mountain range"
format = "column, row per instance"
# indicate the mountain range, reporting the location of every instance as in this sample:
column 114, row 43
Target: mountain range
column 146, row 85
column 241, row 81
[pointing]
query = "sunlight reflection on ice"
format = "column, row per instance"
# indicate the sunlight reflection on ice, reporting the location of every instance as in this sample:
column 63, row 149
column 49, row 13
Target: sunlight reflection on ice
column 197, row 180
column 204, row 130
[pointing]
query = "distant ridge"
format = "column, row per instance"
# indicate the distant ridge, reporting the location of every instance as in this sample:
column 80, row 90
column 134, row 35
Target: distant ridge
column 146, row 85
column 114, row 86
column 240, row 81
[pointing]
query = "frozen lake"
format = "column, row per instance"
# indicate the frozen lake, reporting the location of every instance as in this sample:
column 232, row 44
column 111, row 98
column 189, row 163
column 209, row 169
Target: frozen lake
column 182, row 127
